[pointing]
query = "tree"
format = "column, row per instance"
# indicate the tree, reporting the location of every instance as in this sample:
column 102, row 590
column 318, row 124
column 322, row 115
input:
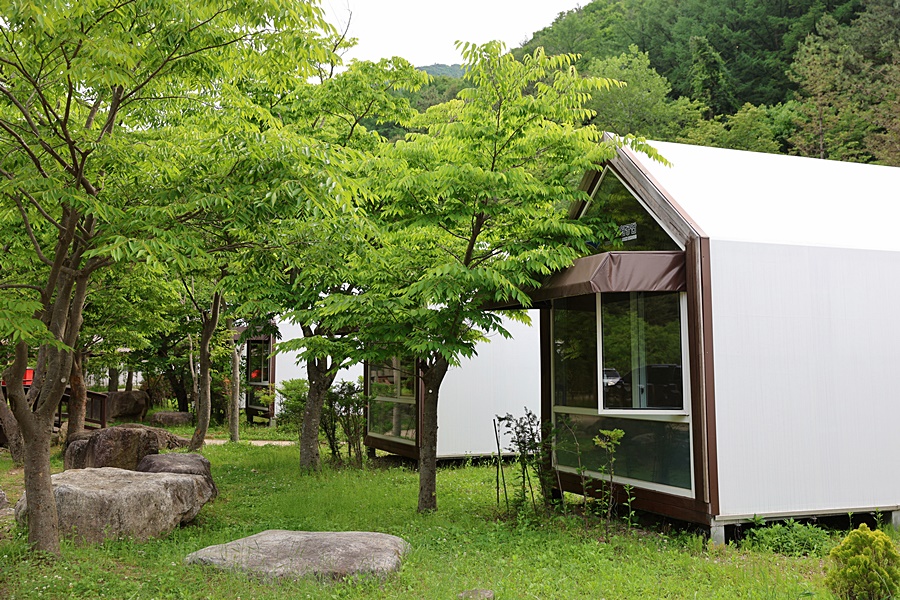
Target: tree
column 301, row 260
column 710, row 80
column 86, row 91
column 833, row 79
column 471, row 210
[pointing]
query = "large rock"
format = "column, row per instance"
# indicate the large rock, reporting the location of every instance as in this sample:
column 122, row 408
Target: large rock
column 188, row 464
column 109, row 503
column 296, row 554
column 76, row 452
column 127, row 405
column 121, row 447
column 166, row 439
column 169, row 418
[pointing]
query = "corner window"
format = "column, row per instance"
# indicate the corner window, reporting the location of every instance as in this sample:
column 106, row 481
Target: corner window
column 393, row 410
column 258, row 362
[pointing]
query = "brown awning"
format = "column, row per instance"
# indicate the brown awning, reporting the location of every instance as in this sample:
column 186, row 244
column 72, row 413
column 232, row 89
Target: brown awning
column 617, row 272
column 633, row 271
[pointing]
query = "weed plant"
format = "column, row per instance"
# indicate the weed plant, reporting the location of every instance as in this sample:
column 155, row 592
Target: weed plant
column 464, row 545
column 790, row 538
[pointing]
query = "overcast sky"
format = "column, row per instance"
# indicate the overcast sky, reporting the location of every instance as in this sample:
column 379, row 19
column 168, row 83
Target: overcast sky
column 424, row 31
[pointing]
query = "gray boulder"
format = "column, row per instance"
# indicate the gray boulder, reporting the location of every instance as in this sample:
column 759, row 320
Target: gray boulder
column 101, row 504
column 169, row 418
column 188, row 464
column 3, row 500
column 127, row 405
column 75, row 454
column 294, row 554
column 166, row 439
column 121, row 447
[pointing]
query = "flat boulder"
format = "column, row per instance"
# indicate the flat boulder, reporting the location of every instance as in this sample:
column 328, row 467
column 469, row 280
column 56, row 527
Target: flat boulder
column 121, row 447
column 127, row 405
column 187, row 464
column 170, row 418
column 109, row 503
column 167, row 439
column 295, row 554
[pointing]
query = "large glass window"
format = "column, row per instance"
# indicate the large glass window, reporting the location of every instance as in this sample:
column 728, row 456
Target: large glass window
column 640, row 375
column 393, row 411
column 654, row 451
column 642, row 350
column 634, row 227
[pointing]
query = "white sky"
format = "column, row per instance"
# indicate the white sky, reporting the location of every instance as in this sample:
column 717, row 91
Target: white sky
column 424, row 32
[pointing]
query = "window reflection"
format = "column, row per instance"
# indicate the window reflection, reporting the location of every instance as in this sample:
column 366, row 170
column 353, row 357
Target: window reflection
column 575, row 351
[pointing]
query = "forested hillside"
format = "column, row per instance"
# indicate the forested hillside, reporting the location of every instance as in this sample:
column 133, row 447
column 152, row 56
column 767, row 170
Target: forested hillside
column 809, row 77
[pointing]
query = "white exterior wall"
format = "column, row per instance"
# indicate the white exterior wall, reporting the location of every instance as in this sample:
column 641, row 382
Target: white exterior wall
column 505, row 377
column 806, row 350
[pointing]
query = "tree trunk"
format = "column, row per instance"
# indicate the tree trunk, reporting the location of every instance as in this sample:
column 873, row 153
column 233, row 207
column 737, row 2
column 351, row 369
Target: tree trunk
column 204, row 402
column 43, row 519
column 13, row 434
column 113, row 379
column 432, row 379
column 195, row 385
column 77, row 395
column 129, row 381
column 234, row 412
column 320, row 379
column 177, row 385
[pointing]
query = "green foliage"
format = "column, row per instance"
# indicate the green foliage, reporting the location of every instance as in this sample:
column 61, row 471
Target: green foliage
column 531, row 454
column 789, row 538
column 864, row 566
column 609, row 440
column 343, row 420
column 293, row 394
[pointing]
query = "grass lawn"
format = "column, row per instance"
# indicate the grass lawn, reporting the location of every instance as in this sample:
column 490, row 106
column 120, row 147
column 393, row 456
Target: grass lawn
column 463, row 546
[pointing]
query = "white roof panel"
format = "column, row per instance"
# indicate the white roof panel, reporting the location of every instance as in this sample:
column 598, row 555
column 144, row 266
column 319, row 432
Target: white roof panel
column 770, row 198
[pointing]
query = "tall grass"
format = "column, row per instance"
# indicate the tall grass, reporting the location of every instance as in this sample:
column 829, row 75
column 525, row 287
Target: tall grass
column 462, row 546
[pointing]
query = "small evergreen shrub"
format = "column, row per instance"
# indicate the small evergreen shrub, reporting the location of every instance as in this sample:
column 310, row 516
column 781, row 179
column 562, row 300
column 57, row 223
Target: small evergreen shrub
column 789, row 538
column 865, row 566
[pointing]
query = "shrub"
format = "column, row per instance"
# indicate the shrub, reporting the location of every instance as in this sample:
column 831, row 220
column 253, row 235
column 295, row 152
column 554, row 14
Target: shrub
column 789, row 538
column 344, row 409
column 866, row 565
column 293, row 402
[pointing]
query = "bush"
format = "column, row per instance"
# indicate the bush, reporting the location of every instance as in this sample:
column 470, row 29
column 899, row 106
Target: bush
column 293, row 402
column 866, row 565
column 789, row 538
column 344, row 409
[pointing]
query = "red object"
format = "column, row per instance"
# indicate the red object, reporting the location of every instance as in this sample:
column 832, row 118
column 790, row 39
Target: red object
column 27, row 380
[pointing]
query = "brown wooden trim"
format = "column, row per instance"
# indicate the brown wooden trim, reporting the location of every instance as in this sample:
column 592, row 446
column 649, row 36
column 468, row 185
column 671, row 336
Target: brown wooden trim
column 709, row 382
column 695, row 356
column 399, row 448
column 677, row 507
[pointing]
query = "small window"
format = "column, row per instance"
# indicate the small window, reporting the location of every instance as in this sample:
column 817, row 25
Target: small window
column 258, row 362
column 575, row 352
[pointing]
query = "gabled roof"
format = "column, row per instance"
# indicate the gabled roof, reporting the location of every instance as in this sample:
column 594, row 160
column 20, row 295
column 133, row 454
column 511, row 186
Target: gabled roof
column 769, row 198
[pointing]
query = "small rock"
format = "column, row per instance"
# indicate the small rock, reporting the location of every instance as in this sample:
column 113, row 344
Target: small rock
column 476, row 595
column 3, row 500
column 295, row 554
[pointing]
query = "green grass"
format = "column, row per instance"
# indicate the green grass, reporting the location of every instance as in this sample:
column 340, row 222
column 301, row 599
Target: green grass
column 464, row 545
